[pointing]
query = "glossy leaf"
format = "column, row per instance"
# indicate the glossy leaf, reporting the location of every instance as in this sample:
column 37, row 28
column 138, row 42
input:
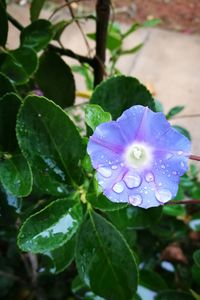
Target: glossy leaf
column 3, row 25
column 58, row 29
column 196, row 257
column 119, row 93
column 175, row 295
column 51, row 227
column 9, row 106
column 15, row 175
column 37, row 35
column 95, row 115
column 51, row 143
column 59, row 85
column 6, row 85
column 36, row 7
column 102, row 203
column 152, row 280
column 27, row 58
column 135, row 217
column 174, row 210
column 105, row 261
column 61, row 257
column 174, row 111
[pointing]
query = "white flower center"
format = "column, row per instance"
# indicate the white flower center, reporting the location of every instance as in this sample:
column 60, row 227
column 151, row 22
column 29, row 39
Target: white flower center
column 138, row 155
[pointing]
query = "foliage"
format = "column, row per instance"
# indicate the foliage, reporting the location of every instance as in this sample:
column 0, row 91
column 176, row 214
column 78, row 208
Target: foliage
column 60, row 238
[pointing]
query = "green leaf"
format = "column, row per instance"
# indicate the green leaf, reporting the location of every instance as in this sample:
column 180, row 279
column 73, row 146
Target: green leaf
column 51, row 227
column 51, row 143
column 102, row 203
column 183, row 131
column 174, row 111
column 131, row 29
column 152, row 280
column 105, row 261
column 3, row 25
column 151, row 23
column 6, row 85
column 132, row 50
column 174, row 210
column 95, row 115
column 37, row 35
column 61, row 257
column 9, row 106
column 16, row 176
column 59, row 85
column 119, row 93
column 195, row 295
column 59, row 27
column 196, row 257
column 36, row 7
column 175, row 295
column 135, row 217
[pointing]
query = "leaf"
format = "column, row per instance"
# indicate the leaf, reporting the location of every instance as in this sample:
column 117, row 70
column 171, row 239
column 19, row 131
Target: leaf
column 37, row 35
column 135, row 217
column 16, row 176
column 195, row 295
column 6, row 85
column 51, row 143
column 105, row 261
column 183, row 131
column 9, row 106
column 132, row 50
column 59, row 27
column 95, row 115
column 151, row 23
column 152, row 280
column 36, row 7
column 196, row 257
column 174, row 210
column 3, row 25
column 119, row 93
column 59, row 85
column 61, row 257
column 102, row 203
column 51, row 227
column 174, row 111
column 131, row 29
column 175, row 295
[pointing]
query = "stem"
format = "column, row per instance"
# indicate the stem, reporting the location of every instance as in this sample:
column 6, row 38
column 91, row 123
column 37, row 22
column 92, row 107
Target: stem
column 194, row 157
column 186, row 116
column 103, row 14
column 187, row 202
column 70, row 53
column 15, row 22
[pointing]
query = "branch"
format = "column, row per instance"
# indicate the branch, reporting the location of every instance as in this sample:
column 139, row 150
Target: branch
column 15, row 22
column 187, row 202
column 103, row 14
column 194, row 157
column 70, row 53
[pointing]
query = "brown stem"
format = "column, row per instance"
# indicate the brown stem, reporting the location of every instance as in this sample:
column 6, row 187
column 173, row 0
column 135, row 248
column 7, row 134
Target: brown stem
column 103, row 14
column 187, row 202
column 186, row 116
column 194, row 157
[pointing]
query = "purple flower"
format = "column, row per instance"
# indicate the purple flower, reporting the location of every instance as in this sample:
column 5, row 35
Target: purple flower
column 139, row 158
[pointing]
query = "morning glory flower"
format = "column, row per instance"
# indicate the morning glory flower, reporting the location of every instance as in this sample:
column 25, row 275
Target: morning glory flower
column 139, row 158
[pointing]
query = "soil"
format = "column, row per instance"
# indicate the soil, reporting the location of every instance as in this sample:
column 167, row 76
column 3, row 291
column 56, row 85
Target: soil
column 179, row 15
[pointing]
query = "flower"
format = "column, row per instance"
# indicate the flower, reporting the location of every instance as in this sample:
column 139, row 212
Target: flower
column 139, row 158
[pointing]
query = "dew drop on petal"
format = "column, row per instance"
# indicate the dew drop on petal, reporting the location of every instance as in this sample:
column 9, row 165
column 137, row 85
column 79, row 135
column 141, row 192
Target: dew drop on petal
column 106, row 172
column 174, row 173
column 163, row 195
column 135, row 200
column 149, row 177
column 169, row 155
column 132, row 180
column 114, row 167
column 163, row 167
column 180, row 152
column 118, row 187
column 182, row 164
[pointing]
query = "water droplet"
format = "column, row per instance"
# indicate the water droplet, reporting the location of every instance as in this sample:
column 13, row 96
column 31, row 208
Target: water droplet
column 162, row 166
column 118, row 187
column 109, row 162
column 122, row 164
column 160, row 184
column 132, row 180
column 39, row 115
column 102, row 156
column 163, row 195
column 59, row 189
column 180, row 152
column 149, row 177
column 174, row 173
column 169, row 155
column 114, row 167
column 135, row 200
column 106, row 172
